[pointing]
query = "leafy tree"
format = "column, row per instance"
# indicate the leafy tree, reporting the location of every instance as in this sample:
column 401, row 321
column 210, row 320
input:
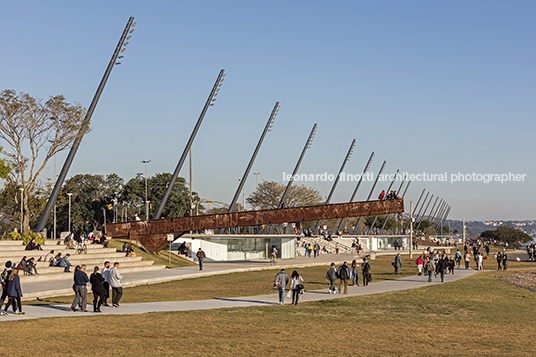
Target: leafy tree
column 505, row 234
column 34, row 132
column 269, row 193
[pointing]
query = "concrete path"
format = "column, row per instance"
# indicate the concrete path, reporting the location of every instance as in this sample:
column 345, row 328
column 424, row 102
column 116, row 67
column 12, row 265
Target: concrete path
column 412, row 282
column 64, row 287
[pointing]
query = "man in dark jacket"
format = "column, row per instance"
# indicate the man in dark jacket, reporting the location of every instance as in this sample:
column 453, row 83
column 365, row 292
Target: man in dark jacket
column 281, row 281
column 331, row 277
column 398, row 264
column 80, row 289
column 344, row 274
column 442, row 266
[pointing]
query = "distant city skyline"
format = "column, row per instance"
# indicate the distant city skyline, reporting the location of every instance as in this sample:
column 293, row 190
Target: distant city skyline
column 429, row 87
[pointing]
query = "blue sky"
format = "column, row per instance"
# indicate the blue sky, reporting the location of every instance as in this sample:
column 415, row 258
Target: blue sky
column 428, row 86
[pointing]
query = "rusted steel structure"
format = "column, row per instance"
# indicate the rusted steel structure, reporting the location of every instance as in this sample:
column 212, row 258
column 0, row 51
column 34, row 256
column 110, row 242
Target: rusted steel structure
column 152, row 234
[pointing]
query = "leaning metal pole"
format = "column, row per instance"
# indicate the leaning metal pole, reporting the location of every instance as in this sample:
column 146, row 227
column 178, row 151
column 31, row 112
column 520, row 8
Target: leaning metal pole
column 370, row 194
column 424, row 212
column 388, row 190
column 417, row 205
column 384, row 222
column 307, row 146
column 438, row 213
column 346, row 159
column 209, row 103
column 70, row 157
column 267, row 128
column 357, row 186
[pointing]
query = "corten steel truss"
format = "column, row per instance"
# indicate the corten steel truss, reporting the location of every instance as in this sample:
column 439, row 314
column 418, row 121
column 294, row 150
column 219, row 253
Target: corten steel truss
column 152, row 234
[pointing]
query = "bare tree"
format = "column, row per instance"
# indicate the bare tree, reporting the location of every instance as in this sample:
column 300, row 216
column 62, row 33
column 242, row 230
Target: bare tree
column 34, row 132
column 269, row 193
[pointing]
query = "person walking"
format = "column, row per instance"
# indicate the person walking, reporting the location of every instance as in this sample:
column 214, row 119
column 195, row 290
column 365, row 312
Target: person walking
column 480, row 261
column 80, row 289
column 365, row 268
column 201, row 256
column 4, row 277
column 458, row 258
column 344, row 274
column 273, row 255
column 115, row 283
column 106, row 284
column 331, row 277
column 398, row 264
column 467, row 258
column 97, row 287
column 419, row 263
column 353, row 273
column 429, row 269
column 505, row 258
column 14, row 293
column 442, row 266
column 296, row 286
column 281, row 281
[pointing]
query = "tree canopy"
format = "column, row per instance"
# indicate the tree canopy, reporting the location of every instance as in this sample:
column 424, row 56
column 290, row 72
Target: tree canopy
column 269, row 193
column 505, row 234
column 33, row 132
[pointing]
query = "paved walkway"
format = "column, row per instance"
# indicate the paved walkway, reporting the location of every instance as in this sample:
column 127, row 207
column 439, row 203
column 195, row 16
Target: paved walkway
column 64, row 287
column 33, row 312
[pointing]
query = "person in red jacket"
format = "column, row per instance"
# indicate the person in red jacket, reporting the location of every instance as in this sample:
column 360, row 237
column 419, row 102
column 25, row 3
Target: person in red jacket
column 382, row 195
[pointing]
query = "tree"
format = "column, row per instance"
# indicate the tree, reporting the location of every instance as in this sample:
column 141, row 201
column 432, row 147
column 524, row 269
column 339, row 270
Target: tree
column 506, row 234
column 34, row 132
column 269, row 193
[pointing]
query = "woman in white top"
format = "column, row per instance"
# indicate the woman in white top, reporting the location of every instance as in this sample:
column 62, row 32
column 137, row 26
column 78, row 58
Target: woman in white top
column 296, row 285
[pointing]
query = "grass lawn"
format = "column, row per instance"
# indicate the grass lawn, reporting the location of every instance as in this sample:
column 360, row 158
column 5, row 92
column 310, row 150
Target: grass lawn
column 160, row 258
column 476, row 316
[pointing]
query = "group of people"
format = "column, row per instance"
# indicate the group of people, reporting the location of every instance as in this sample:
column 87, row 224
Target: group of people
column 100, row 286
column 390, row 196
column 344, row 273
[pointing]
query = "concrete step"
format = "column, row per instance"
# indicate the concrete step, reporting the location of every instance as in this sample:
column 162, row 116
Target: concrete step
column 7, row 243
column 123, row 268
column 95, row 261
column 41, row 253
column 90, row 265
column 15, row 259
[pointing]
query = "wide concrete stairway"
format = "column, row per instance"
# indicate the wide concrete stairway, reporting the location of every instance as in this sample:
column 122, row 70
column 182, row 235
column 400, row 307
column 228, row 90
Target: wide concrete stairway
column 96, row 256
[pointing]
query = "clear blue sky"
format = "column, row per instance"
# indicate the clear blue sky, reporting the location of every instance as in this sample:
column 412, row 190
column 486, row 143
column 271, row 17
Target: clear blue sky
column 429, row 86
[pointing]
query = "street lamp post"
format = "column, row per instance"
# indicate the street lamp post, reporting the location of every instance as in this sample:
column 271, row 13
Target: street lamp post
column 21, row 211
column 114, row 212
column 69, row 194
column 256, row 179
column 146, row 202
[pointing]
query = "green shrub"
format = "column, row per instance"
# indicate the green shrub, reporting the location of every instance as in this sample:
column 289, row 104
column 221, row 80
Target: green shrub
column 26, row 238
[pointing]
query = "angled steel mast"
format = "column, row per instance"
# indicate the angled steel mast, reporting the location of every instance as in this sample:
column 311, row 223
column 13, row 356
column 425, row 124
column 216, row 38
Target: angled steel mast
column 389, row 189
column 70, row 157
column 370, row 194
column 358, row 184
column 346, row 159
column 211, row 98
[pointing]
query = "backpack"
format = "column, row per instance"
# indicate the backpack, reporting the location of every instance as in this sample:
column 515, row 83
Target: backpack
column 458, row 256
column 4, row 276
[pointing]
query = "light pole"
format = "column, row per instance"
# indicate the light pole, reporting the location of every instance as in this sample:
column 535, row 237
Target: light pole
column 69, row 194
column 256, row 179
column 146, row 202
column 114, row 200
column 21, row 212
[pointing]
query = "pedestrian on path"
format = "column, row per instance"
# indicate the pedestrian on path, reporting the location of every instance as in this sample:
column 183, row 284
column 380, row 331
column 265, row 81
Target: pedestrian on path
column 419, row 263
column 106, row 284
column 429, row 269
column 14, row 292
column 467, row 258
column 505, row 258
column 5, row 279
column 97, row 287
column 344, row 274
column 115, row 283
column 442, row 266
column 273, row 255
column 296, row 285
column 280, row 282
column 353, row 273
column 480, row 261
column 80, row 289
column 365, row 268
column 201, row 256
column 331, row 277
